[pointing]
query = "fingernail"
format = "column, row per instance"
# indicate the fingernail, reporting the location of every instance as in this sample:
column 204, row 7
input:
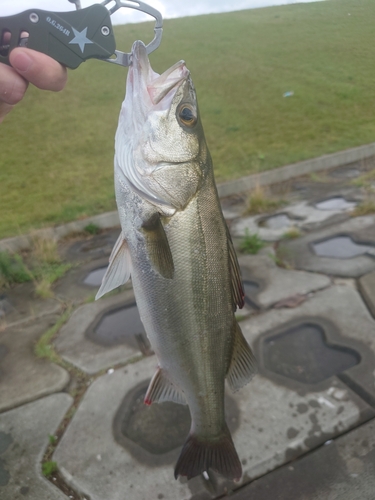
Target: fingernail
column 21, row 62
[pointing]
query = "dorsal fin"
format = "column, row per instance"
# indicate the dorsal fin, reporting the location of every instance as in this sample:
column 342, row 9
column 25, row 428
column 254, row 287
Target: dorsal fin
column 119, row 268
column 238, row 292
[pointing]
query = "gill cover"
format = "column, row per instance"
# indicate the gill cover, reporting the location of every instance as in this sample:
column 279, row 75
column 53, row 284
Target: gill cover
column 156, row 143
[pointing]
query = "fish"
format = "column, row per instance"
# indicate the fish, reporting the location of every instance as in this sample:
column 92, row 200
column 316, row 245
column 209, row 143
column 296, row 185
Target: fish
column 176, row 246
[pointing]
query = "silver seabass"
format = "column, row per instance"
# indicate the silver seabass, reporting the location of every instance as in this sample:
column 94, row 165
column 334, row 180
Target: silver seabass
column 176, row 247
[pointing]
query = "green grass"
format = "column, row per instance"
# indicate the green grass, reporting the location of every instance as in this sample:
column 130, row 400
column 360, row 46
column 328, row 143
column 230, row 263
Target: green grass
column 49, row 468
column 365, row 181
column 367, row 207
column 42, row 265
column 57, row 149
column 92, row 228
column 260, row 201
column 44, row 348
column 251, row 243
column 52, row 439
column 13, row 270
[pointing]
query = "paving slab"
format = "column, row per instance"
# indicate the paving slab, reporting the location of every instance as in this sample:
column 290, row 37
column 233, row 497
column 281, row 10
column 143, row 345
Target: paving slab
column 275, row 283
column 342, row 470
column 86, row 248
column 366, row 285
column 346, row 322
column 233, row 206
column 75, row 342
column 271, row 424
column 20, row 304
column 24, row 436
column 82, row 282
column 303, row 215
column 23, row 376
column 72, row 286
column 299, row 253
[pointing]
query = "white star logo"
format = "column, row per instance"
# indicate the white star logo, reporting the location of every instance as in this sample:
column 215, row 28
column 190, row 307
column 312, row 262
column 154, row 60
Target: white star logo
column 80, row 39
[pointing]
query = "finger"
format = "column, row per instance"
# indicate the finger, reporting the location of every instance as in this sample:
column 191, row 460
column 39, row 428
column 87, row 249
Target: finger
column 12, row 85
column 39, row 69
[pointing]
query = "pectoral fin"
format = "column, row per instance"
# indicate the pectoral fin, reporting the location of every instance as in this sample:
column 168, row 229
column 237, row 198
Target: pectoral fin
column 162, row 389
column 243, row 364
column 238, row 292
column 158, row 247
column 119, row 268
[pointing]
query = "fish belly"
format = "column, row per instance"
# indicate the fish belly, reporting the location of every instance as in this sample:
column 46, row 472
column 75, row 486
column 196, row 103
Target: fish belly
column 189, row 319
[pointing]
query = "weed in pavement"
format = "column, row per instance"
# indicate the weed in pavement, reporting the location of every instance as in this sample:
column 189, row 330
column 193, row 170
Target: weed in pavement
column 92, row 228
column 260, row 201
column 292, row 233
column 49, row 468
column 13, row 270
column 365, row 208
column 251, row 243
column 42, row 265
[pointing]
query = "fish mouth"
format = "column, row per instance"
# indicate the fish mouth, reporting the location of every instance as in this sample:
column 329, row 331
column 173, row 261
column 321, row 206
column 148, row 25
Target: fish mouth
column 146, row 92
column 155, row 87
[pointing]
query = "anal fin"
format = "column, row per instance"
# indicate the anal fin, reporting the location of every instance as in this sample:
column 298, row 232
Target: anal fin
column 243, row 365
column 162, row 389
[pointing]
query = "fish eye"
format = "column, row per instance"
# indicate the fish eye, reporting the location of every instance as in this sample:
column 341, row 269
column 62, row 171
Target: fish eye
column 187, row 116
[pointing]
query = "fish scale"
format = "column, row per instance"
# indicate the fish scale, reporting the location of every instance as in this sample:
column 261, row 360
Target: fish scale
column 176, row 247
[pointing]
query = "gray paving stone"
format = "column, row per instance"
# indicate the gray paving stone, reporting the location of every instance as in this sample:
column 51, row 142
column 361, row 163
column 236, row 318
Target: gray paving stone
column 367, row 288
column 233, row 207
column 342, row 308
column 299, row 253
column 275, row 283
column 276, row 424
column 24, row 377
column 23, row 439
column 72, row 286
column 344, row 470
column 84, row 249
column 108, row 220
column 20, row 304
column 303, row 215
column 75, row 346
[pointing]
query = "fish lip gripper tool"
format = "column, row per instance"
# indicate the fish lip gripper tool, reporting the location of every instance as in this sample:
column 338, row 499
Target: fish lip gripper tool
column 73, row 37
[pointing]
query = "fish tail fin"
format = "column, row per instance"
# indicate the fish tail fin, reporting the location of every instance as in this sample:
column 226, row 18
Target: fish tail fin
column 198, row 455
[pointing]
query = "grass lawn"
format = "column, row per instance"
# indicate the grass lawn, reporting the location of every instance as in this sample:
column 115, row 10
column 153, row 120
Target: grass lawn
column 56, row 160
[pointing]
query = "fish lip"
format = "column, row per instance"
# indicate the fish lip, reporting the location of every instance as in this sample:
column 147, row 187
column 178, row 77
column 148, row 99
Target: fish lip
column 157, row 86
column 139, row 58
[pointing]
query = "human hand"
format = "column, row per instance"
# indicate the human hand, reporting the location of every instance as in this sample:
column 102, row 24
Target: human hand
column 28, row 66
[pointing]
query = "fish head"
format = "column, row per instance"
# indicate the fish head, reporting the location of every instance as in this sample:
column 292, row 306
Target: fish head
column 159, row 139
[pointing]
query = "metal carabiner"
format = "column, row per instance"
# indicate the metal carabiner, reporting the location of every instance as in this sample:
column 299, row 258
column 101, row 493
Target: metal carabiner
column 124, row 58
